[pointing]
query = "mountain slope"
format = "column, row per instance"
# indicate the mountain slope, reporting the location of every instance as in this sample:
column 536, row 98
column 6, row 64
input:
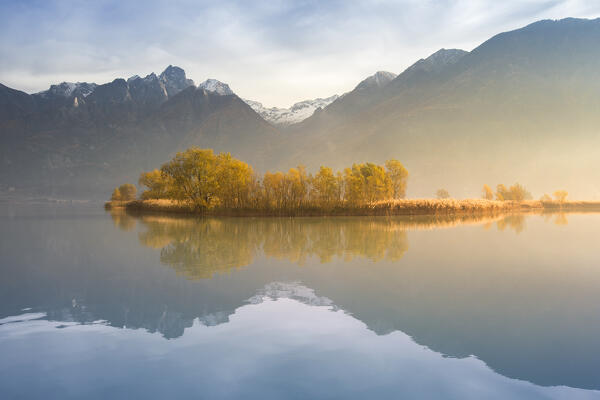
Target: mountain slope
column 523, row 106
column 67, row 143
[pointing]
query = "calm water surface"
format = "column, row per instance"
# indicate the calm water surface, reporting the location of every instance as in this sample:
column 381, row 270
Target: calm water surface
column 100, row 305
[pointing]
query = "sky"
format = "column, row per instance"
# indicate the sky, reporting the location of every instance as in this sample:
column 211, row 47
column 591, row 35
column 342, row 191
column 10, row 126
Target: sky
column 276, row 52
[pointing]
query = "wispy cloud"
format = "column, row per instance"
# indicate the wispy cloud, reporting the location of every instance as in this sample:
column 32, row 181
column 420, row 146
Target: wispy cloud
column 274, row 51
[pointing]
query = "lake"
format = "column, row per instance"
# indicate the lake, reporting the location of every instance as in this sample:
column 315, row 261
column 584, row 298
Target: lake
column 101, row 305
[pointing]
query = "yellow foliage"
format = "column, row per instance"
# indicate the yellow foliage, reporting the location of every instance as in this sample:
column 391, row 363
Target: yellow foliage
column 128, row 192
column 116, row 195
column 488, row 193
column 202, row 179
column 561, row 195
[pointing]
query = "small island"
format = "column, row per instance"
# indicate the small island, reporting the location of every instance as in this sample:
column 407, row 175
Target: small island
column 198, row 181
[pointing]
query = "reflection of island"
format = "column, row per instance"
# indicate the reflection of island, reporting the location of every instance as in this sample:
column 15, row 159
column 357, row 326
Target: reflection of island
column 457, row 297
column 199, row 247
column 517, row 302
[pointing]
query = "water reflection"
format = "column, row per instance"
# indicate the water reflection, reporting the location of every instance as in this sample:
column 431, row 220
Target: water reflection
column 525, row 305
column 496, row 296
column 200, row 247
column 269, row 350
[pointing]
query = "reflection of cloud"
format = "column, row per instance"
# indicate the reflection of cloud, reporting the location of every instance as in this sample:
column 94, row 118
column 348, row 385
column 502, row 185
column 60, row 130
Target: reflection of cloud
column 269, row 349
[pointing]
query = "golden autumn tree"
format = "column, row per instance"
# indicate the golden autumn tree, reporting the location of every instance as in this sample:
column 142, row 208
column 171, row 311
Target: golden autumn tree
column 367, row 182
column 325, row 187
column 296, row 186
column 128, row 192
column 159, row 185
column 194, row 178
column 516, row 192
column 442, row 194
column 487, row 193
column 561, row 195
column 233, row 181
column 399, row 176
column 378, row 183
column 353, row 183
column 116, row 195
column 519, row 193
column 274, row 189
column 204, row 180
column 502, row 193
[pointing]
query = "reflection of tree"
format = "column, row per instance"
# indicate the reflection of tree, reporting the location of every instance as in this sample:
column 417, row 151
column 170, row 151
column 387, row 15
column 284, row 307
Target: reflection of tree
column 200, row 247
column 514, row 222
column 561, row 219
column 121, row 219
column 325, row 238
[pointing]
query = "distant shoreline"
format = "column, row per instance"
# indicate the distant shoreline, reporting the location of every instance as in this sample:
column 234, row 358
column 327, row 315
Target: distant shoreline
column 382, row 208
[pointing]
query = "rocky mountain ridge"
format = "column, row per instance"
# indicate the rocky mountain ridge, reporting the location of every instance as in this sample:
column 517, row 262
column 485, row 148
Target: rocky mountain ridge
column 523, row 106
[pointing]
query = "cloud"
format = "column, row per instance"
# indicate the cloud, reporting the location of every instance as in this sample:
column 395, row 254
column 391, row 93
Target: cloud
column 276, row 51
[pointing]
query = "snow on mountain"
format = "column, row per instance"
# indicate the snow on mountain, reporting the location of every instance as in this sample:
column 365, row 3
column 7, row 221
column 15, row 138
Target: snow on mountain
column 378, row 80
column 438, row 60
column 296, row 113
column 67, row 89
column 290, row 290
column 213, row 85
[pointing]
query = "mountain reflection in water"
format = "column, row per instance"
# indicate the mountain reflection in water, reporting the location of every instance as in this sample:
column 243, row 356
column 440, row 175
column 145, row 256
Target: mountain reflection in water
column 519, row 293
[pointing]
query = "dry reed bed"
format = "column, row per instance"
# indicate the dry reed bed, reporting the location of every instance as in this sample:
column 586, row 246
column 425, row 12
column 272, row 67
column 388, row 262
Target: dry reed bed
column 404, row 223
column 388, row 207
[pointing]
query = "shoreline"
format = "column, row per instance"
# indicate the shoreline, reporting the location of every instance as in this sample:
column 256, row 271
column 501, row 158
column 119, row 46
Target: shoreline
column 383, row 208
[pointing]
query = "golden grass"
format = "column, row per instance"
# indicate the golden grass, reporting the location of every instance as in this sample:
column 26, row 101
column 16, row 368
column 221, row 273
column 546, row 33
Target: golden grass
column 443, row 206
column 388, row 207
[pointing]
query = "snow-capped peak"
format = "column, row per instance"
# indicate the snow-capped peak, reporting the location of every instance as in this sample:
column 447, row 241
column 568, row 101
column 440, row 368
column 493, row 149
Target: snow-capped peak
column 290, row 290
column 377, row 80
column 438, row 60
column 296, row 113
column 215, row 86
column 68, row 89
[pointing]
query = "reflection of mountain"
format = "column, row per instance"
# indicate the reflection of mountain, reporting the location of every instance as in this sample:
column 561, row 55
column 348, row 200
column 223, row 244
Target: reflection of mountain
column 290, row 290
column 517, row 302
column 268, row 350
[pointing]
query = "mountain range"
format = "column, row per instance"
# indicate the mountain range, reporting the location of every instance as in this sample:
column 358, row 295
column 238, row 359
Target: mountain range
column 523, row 106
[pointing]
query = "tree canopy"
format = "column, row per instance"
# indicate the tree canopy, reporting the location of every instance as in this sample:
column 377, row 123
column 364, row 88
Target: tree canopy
column 442, row 194
column 516, row 192
column 204, row 179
